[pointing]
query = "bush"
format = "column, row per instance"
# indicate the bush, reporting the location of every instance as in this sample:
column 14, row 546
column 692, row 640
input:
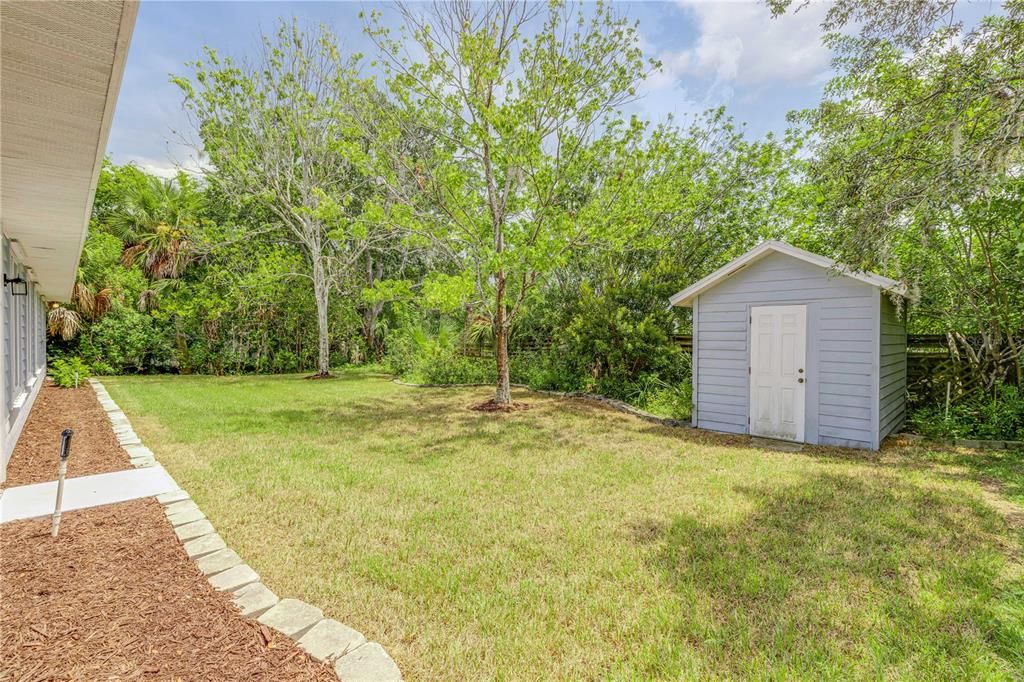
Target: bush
column 70, row 372
column 663, row 399
column 551, row 370
column 127, row 341
column 618, row 338
column 999, row 416
column 449, row 367
column 421, row 356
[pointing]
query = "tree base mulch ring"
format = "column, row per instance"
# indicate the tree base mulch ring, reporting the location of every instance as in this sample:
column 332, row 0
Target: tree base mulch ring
column 115, row 597
column 491, row 406
column 315, row 377
column 94, row 448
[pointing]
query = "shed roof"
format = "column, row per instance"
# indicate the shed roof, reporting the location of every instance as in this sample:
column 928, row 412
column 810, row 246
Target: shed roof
column 686, row 296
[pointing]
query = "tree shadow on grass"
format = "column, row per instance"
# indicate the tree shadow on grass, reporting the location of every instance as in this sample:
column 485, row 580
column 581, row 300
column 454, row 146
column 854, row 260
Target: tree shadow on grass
column 846, row 575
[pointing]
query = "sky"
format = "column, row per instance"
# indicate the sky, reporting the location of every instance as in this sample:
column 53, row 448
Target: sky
column 729, row 53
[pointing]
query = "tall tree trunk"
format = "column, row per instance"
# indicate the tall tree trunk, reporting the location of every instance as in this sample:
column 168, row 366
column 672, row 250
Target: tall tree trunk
column 503, row 393
column 320, row 293
column 184, row 361
column 374, row 272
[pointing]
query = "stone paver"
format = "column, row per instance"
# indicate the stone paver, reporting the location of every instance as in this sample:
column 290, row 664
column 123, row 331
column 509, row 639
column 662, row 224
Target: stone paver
column 292, row 617
column 138, row 451
column 234, row 578
column 179, row 506
column 172, row 497
column 330, row 639
column 82, row 492
column 206, row 544
column 193, row 530
column 254, row 599
column 220, row 560
column 368, row 663
column 187, row 516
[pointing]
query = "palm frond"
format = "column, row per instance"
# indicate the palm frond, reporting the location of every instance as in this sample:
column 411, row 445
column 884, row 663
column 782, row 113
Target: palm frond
column 63, row 322
column 83, row 299
column 102, row 301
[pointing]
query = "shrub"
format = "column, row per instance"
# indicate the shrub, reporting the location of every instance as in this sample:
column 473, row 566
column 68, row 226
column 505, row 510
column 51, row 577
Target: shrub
column 551, row 370
column 418, row 355
column 662, row 398
column 995, row 416
column 619, row 337
column 69, row 372
column 126, row 340
column 449, row 367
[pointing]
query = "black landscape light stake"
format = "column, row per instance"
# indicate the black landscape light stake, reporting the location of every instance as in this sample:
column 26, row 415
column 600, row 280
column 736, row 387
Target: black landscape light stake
column 65, row 450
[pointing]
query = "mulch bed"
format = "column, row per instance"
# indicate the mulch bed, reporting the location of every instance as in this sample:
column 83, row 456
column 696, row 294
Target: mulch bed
column 94, row 448
column 491, row 406
column 115, row 597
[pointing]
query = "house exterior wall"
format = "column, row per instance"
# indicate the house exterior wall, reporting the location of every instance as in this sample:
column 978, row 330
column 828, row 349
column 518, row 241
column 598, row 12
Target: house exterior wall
column 892, row 375
column 842, row 349
column 23, row 327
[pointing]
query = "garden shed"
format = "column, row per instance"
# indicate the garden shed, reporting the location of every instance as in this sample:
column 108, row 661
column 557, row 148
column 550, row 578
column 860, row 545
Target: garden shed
column 789, row 344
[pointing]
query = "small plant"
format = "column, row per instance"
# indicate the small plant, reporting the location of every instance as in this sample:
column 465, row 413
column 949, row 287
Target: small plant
column 995, row 416
column 662, row 398
column 69, row 372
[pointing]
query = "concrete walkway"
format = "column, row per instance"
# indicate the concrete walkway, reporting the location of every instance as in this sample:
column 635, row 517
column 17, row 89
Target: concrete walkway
column 82, row 492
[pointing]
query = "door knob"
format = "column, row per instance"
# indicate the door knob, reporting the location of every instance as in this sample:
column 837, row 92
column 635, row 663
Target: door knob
column 800, row 380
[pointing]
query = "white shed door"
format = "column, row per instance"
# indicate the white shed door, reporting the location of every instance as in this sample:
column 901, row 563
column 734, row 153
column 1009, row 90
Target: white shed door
column 778, row 340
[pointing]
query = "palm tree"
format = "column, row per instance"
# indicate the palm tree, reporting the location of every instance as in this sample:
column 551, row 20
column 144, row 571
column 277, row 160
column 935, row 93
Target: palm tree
column 154, row 223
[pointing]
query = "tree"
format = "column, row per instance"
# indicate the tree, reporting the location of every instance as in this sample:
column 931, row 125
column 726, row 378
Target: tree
column 285, row 133
column 919, row 145
column 512, row 92
column 153, row 220
column 689, row 200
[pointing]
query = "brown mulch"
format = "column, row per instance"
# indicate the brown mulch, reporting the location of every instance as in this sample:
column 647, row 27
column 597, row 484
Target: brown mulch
column 491, row 406
column 115, row 597
column 94, row 448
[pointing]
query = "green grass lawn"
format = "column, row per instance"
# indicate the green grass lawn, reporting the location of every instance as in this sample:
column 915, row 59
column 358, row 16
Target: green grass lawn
column 568, row 541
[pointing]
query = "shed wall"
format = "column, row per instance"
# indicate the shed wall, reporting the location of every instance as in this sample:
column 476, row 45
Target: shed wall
column 842, row 342
column 892, row 375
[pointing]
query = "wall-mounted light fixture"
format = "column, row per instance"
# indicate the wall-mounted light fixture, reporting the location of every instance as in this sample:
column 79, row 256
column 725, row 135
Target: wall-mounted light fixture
column 19, row 287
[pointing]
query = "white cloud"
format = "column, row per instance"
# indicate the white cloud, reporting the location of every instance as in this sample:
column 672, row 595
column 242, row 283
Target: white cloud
column 739, row 43
column 165, row 168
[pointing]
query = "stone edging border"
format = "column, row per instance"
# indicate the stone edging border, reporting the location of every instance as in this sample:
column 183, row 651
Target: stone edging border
column 613, row 403
column 353, row 657
column 967, row 442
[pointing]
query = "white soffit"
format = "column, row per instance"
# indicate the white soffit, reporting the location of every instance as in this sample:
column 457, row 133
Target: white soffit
column 686, row 296
column 61, row 65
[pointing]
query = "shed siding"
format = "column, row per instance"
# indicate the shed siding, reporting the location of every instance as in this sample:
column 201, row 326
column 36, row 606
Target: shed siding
column 841, row 343
column 892, row 378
